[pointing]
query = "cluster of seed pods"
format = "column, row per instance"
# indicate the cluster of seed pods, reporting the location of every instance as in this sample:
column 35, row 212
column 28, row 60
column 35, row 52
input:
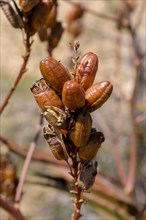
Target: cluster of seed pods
column 66, row 101
column 35, row 16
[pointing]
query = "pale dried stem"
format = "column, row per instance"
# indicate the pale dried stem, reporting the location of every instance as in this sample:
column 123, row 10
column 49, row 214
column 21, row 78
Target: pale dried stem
column 27, row 162
column 20, row 74
column 114, row 140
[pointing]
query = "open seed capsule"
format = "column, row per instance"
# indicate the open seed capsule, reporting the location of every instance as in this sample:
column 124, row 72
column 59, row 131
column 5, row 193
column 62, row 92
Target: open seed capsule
column 87, row 175
column 40, row 13
column 86, row 70
column 27, row 5
column 81, row 132
column 97, row 94
column 73, row 95
column 55, row 142
column 57, row 117
column 45, row 96
column 89, row 151
column 54, row 73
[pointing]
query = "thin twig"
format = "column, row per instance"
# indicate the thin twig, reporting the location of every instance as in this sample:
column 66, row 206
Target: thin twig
column 11, row 209
column 95, row 13
column 20, row 74
column 113, row 139
column 27, row 162
column 134, row 136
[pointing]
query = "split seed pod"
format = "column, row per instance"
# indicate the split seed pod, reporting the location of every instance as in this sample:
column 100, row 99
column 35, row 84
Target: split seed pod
column 97, row 94
column 81, row 132
column 27, row 5
column 89, row 151
column 12, row 13
column 54, row 73
column 45, row 96
column 87, row 175
column 57, row 117
column 55, row 142
column 73, row 95
column 40, row 13
column 86, row 70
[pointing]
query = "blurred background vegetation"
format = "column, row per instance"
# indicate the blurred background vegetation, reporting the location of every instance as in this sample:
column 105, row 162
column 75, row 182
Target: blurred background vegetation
column 117, row 63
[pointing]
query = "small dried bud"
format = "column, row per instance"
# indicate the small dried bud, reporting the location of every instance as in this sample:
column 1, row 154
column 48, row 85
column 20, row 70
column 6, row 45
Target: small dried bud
column 87, row 175
column 81, row 132
column 27, row 5
column 73, row 95
column 97, row 94
column 89, row 151
column 55, row 142
column 45, row 96
column 54, row 73
column 86, row 70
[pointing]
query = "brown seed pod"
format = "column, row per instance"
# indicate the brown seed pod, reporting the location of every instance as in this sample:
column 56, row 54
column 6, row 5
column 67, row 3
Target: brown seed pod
column 89, row 151
column 54, row 73
column 55, row 35
column 45, row 96
column 81, row 132
column 51, row 20
column 97, row 94
column 39, row 14
column 75, row 13
column 55, row 142
column 73, row 95
column 75, row 28
column 27, row 5
column 87, row 175
column 12, row 13
column 86, row 70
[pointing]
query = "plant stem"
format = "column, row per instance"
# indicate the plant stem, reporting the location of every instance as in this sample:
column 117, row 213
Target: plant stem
column 27, row 162
column 20, row 74
column 77, row 200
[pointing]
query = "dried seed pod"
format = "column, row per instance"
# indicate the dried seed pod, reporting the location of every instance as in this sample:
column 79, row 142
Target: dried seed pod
column 75, row 13
column 27, row 5
column 87, row 175
column 40, row 13
column 54, row 73
column 55, row 35
column 81, row 132
column 97, row 94
column 75, row 28
column 12, row 13
column 55, row 142
column 45, row 96
column 89, row 151
column 73, row 95
column 51, row 20
column 57, row 117
column 86, row 70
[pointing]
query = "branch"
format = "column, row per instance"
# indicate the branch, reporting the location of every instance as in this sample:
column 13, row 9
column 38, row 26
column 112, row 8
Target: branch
column 20, row 74
column 27, row 162
column 11, row 209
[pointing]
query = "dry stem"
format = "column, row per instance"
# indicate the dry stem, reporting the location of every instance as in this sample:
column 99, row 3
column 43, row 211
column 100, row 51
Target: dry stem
column 20, row 74
column 27, row 162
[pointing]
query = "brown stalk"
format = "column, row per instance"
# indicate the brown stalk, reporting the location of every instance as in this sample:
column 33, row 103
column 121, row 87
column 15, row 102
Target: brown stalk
column 27, row 162
column 95, row 13
column 134, row 136
column 11, row 209
column 22, row 70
